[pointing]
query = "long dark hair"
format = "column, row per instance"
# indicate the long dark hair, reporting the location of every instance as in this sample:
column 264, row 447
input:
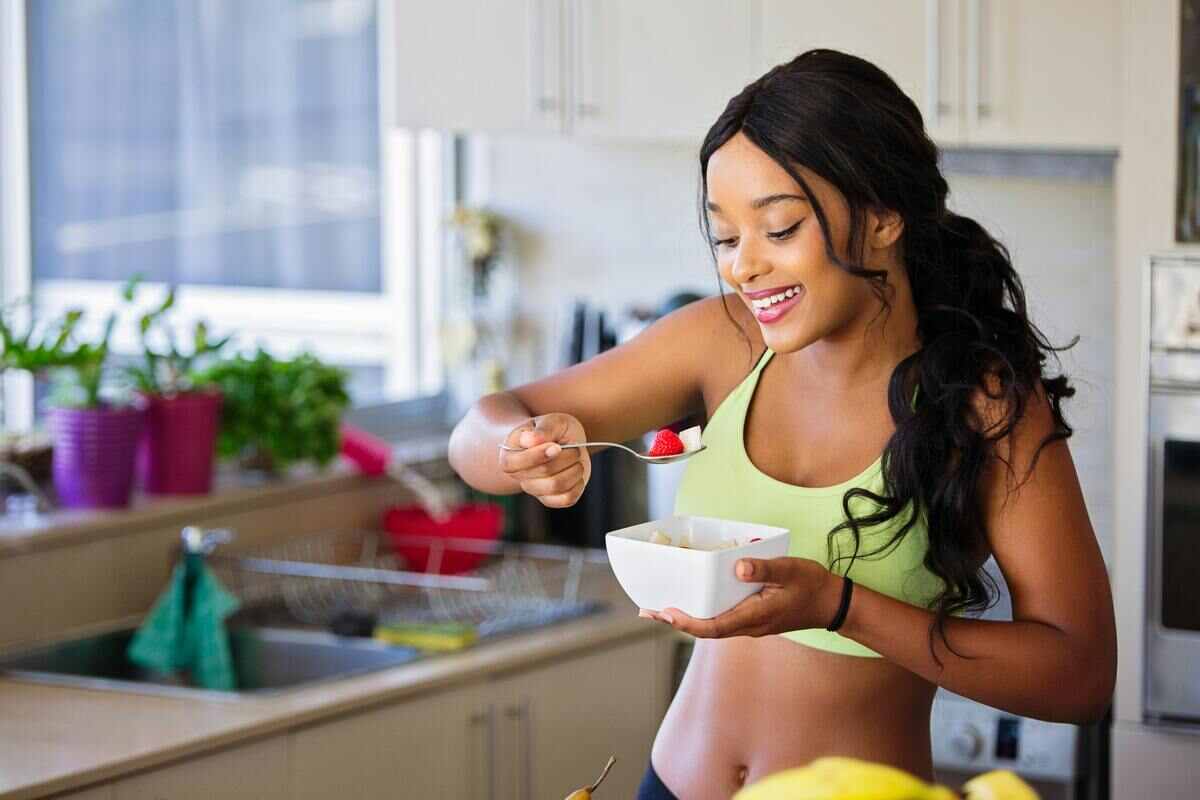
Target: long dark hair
column 847, row 121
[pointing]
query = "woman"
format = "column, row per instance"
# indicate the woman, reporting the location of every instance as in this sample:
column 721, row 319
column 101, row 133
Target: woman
column 863, row 318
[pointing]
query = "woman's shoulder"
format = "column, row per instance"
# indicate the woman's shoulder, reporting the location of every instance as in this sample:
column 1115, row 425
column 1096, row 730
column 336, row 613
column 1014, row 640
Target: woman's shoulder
column 727, row 339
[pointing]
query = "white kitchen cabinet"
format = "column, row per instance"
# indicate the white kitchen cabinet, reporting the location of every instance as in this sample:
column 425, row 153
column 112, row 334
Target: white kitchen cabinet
column 914, row 41
column 258, row 771
column 466, row 65
column 442, row 745
column 1042, row 73
column 656, row 69
column 986, row 73
column 640, row 69
column 559, row 723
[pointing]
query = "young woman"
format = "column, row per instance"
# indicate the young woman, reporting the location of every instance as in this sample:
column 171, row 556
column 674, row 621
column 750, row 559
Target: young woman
column 872, row 382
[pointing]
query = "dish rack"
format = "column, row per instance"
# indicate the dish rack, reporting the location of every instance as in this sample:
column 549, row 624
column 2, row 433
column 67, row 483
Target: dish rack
column 316, row 578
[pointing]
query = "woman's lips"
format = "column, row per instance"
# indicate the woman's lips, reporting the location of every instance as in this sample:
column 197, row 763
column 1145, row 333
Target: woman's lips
column 775, row 312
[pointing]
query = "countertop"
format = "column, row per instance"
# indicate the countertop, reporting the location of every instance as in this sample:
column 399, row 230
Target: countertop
column 55, row 739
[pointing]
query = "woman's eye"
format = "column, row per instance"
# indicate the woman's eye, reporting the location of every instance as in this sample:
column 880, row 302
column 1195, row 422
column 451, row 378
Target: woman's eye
column 732, row 240
column 786, row 232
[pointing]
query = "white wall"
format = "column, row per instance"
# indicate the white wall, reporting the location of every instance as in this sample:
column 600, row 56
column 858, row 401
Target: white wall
column 617, row 225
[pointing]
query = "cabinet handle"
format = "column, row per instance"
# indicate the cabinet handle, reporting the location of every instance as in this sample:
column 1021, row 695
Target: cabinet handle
column 521, row 715
column 584, row 107
column 543, row 101
column 975, row 38
column 933, row 62
column 487, row 720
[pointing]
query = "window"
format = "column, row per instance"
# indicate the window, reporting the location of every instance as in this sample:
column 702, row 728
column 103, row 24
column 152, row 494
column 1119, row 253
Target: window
column 240, row 151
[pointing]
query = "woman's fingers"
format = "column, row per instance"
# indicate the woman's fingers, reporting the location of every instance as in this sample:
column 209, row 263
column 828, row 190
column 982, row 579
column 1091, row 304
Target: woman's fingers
column 559, row 483
column 520, row 462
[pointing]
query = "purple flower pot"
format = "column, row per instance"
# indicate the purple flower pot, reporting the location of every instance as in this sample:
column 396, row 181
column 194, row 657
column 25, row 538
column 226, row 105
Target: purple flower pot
column 94, row 450
column 175, row 455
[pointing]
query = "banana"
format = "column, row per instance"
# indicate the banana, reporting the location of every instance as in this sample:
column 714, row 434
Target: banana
column 998, row 785
column 586, row 792
column 835, row 778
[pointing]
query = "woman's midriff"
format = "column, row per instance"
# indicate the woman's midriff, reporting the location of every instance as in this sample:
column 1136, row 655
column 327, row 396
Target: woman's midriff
column 749, row 707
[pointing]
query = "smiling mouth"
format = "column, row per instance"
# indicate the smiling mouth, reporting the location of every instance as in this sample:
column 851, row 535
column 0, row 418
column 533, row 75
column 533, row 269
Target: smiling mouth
column 763, row 303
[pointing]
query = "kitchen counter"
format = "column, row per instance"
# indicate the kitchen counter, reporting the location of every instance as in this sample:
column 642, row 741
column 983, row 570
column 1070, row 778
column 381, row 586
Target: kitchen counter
column 55, row 739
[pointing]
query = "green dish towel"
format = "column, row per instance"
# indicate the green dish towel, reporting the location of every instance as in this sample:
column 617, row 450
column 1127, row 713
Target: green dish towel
column 185, row 630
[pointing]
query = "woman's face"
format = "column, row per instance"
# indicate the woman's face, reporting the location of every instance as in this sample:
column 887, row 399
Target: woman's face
column 769, row 244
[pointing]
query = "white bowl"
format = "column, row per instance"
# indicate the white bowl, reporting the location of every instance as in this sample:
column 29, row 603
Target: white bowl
column 699, row 582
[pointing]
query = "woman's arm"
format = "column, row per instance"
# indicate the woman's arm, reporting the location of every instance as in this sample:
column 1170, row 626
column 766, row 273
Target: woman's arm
column 1055, row 660
column 652, row 380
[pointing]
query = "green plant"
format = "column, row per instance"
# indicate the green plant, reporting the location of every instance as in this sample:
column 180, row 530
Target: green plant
column 38, row 349
column 275, row 413
column 169, row 370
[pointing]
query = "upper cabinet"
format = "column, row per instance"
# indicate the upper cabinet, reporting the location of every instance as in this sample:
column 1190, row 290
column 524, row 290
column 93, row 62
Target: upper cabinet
column 466, row 65
column 1042, row 73
column 911, row 40
column 649, row 69
column 643, row 69
column 988, row 73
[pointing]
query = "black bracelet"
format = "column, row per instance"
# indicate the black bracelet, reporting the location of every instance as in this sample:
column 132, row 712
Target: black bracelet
column 843, row 607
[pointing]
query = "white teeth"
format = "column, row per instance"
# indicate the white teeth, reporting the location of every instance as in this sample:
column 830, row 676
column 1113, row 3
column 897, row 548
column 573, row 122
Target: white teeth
column 767, row 302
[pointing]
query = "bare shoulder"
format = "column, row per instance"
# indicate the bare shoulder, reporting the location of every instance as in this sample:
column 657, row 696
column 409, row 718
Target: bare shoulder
column 732, row 344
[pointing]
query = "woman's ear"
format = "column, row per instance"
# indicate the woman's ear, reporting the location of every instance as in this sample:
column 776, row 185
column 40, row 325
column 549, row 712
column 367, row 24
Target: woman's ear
column 883, row 228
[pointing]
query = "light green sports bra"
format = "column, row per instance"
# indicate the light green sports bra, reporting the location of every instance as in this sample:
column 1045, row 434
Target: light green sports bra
column 723, row 482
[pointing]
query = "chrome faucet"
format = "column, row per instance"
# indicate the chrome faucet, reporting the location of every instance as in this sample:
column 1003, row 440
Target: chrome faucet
column 204, row 541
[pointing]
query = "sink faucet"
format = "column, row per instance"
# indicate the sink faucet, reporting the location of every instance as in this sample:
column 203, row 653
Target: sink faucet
column 203, row 541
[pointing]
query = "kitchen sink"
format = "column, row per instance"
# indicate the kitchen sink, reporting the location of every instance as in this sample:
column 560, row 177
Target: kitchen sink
column 266, row 660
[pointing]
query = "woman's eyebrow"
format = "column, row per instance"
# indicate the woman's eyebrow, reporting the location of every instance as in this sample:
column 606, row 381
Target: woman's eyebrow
column 761, row 202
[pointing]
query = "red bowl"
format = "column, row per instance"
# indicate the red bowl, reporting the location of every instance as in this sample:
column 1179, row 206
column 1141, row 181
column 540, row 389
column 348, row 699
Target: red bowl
column 482, row 521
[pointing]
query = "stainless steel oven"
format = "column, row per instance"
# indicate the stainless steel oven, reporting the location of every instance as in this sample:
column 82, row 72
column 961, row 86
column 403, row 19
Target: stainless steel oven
column 1172, row 674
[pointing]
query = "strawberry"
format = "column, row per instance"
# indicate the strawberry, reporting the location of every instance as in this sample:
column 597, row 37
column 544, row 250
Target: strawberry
column 666, row 443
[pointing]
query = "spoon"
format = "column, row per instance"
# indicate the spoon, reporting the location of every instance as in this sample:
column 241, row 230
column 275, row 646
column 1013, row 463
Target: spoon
column 647, row 459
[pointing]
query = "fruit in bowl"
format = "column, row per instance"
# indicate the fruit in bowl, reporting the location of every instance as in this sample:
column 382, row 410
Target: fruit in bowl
column 687, row 562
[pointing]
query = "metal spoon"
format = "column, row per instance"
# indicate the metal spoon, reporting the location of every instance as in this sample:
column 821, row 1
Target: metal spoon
column 648, row 459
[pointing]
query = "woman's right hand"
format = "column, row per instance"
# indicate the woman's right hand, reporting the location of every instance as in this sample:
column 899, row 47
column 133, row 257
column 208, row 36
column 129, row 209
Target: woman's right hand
column 556, row 476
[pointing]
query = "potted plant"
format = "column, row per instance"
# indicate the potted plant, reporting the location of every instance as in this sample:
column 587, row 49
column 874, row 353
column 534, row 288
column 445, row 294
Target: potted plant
column 178, row 441
column 34, row 349
column 277, row 413
column 95, row 438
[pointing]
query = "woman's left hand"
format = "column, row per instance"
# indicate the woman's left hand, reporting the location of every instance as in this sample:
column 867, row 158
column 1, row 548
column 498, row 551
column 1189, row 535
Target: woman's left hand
column 798, row 593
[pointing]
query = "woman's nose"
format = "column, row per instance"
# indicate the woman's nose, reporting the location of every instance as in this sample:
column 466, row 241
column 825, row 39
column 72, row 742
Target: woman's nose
column 747, row 265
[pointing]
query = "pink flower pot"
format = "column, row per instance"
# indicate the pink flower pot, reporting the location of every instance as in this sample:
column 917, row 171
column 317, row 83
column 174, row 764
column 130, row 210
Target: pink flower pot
column 175, row 455
column 94, row 450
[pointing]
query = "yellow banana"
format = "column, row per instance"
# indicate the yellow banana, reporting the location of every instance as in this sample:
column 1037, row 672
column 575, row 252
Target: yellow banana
column 998, row 785
column 836, row 778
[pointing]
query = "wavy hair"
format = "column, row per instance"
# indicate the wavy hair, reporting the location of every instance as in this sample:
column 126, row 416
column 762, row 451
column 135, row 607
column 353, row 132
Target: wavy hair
column 848, row 122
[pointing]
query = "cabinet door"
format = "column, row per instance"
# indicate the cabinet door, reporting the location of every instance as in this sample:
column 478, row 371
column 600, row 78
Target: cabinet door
column 656, row 69
column 439, row 746
column 560, row 723
column 1042, row 73
column 256, row 771
column 914, row 41
column 466, row 65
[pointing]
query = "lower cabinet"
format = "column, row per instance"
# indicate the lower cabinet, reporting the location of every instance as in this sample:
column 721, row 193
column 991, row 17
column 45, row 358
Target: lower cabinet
column 258, row 770
column 537, row 734
column 534, row 734
column 558, row 724
column 436, row 746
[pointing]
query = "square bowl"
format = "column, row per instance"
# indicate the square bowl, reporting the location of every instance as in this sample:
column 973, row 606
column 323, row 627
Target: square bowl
column 698, row 580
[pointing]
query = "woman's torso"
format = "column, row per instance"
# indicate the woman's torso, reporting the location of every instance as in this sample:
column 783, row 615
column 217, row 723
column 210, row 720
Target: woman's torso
column 748, row 707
